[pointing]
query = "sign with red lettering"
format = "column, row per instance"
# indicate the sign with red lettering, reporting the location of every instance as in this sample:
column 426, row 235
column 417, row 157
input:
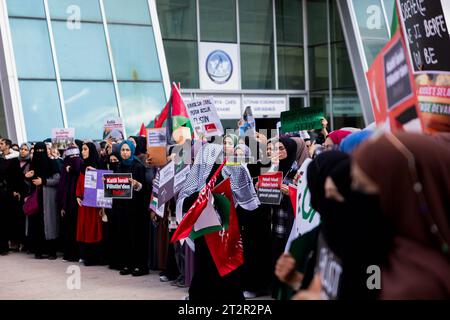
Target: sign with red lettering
column 269, row 187
column 118, row 185
column 392, row 89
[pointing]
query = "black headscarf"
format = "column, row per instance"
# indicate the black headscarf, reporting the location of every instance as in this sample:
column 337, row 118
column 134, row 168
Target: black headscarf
column 93, row 159
column 79, row 144
column 331, row 163
column 141, row 145
column 291, row 150
column 41, row 164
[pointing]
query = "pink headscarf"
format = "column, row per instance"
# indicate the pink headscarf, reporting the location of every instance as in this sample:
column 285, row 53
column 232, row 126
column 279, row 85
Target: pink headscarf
column 338, row 135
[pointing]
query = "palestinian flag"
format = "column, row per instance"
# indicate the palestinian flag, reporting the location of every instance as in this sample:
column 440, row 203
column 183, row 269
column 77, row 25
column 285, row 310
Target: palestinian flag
column 174, row 113
column 214, row 216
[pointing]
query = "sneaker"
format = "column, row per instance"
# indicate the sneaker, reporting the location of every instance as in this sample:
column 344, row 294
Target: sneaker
column 139, row 272
column 181, row 284
column 250, row 295
column 164, row 278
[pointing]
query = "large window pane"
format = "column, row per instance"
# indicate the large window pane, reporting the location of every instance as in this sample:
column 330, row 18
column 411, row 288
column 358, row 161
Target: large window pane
column 336, row 32
column 141, row 103
column 177, row 19
column 318, row 67
column 182, row 61
column 88, row 104
column 3, row 130
column 346, row 109
column 134, row 52
column 26, row 8
column 82, row 53
column 341, row 66
column 41, row 108
column 88, row 10
column 389, row 7
column 289, row 21
column 130, row 11
column 291, row 74
column 256, row 21
column 317, row 21
column 218, row 20
column 257, row 67
column 32, row 48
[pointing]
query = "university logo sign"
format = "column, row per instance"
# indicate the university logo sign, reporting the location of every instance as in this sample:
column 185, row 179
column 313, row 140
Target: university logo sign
column 219, row 66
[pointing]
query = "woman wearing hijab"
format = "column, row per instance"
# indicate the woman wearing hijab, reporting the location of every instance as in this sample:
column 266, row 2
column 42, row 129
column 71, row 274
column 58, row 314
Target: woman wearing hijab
column 335, row 138
column 133, row 218
column 44, row 225
column 24, row 162
column 302, row 151
column 140, row 144
column 89, row 222
column 353, row 140
column 283, row 214
column 207, row 284
column 67, row 202
column 406, row 178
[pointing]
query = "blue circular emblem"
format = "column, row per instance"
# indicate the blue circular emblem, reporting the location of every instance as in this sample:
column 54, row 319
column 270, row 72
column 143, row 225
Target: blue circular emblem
column 219, row 66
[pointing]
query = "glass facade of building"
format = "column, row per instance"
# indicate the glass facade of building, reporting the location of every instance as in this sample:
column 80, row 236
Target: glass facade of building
column 273, row 37
column 80, row 62
column 77, row 62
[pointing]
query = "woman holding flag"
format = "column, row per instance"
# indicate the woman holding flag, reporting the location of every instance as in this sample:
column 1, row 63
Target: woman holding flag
column 212, row 281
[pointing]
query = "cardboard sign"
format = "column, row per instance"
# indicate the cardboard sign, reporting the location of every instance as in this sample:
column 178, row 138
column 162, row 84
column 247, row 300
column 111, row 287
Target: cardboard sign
column 157, row 146
column 427, row 34
column 118, row 186
column 204, row 117
column 425, row 27
column 166, row 183
column 94, row 195
column 269, row 188
column 392, row 89
column 159, row 210
column 301, row 119
column 63, row 138
column 247, row 123
column 114, row 129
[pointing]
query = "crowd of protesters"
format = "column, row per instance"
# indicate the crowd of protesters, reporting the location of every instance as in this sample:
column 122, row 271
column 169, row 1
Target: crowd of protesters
column 383, row 201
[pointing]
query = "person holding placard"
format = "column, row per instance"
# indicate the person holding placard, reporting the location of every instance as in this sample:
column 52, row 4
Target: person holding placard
column 89, row 226
column 132, row 215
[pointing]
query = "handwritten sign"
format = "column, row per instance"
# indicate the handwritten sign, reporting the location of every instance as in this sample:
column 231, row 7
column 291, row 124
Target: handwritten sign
column 427, row 35
column 204, row 117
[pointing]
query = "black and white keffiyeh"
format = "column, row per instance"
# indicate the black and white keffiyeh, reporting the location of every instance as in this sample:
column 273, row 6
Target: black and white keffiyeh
column 204, row 161
column 244, row 193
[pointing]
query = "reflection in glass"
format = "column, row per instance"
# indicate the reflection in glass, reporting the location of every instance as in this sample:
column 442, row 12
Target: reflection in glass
column 317, row 21
column 318, row 67
column 342, row 70
column 218, row 20
column 26, row 8
column 41, row 108
column 134, row 11
column 182, row 59
column 289, row 22
column 291, row 73
column 82, row 53
column 140, row 103
column 88, row 105
column 84, row 10
column 134, row 52
column 257, row 67
column 256, row 21
column 32, row 48
column 177, row 19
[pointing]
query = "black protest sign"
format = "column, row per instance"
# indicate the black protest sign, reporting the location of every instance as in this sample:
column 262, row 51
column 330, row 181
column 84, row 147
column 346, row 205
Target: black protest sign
column 118, row 185
column 269, row 188
column 426, row 31
column 397, row 77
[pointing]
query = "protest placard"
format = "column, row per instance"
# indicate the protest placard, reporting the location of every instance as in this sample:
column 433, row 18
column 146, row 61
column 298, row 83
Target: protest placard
column 269, row 187
column 157, row 146
column 204, row 117
column 94, row 195
column 62, row 138
column 114, row 129
column 118, row 186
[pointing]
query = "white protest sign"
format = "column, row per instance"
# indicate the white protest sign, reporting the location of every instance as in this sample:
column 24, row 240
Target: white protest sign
column 63, row 137
column 204, row 117
column 306, row 218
